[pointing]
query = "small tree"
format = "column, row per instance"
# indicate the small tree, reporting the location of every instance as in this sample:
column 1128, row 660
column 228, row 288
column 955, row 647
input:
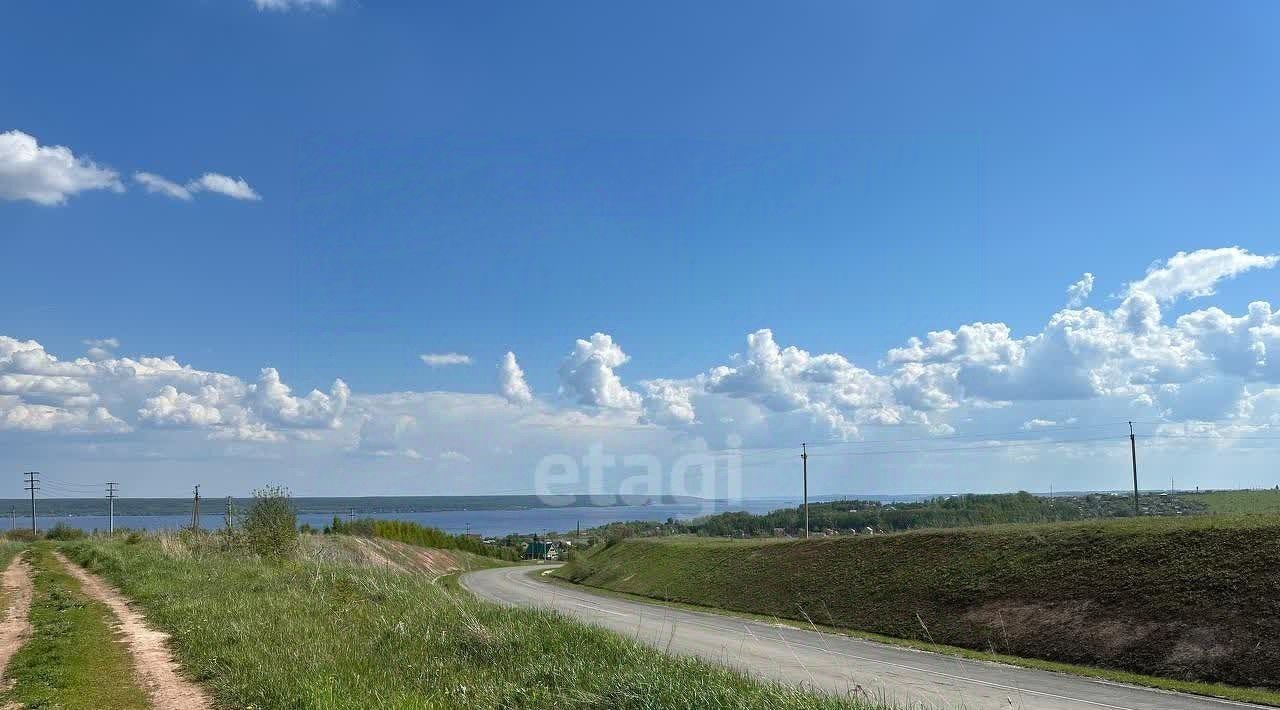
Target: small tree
column 271, row 523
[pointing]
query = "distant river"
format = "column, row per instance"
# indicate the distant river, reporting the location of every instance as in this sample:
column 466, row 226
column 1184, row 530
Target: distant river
column 484, row 522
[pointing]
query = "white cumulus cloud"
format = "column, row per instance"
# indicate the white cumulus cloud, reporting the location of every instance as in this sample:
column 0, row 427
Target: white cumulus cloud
column 1078, row 292
column 833, row 393
column 511, row 382
column 1196, row 273
column 47, row 175
column 669, row 402
column 274, row 400
column 101, row 348
column 169, row 407
column 587, row 374
column 1209, row 370
column 43, row 418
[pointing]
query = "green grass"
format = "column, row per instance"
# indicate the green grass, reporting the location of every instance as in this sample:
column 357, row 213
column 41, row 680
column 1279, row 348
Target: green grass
column 1231, row 502
column 318, row 635
column 73, row 660
column 1192, row 600
column 420, row 535
column 351, row 549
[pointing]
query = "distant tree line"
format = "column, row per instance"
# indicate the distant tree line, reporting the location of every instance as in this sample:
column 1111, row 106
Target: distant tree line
column 860, row 515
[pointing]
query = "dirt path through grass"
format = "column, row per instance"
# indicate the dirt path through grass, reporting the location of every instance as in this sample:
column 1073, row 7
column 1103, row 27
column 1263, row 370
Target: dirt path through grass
column 16, row 627
column 159, row 673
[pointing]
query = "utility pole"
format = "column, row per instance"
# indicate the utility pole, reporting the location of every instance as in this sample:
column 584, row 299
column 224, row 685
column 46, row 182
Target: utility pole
column 111, row 503
column 804, row 463
column 195, row 509
column 230, row 513
column 1133, row 453
column 33, row 485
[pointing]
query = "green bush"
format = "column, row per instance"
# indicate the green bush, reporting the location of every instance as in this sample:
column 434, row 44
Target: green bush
column 270, row 524
column 21, row 535
column 62, row 531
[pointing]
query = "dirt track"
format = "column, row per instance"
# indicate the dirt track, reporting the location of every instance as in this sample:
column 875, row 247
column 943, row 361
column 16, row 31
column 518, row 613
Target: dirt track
column 157, row 671
column 16, row 627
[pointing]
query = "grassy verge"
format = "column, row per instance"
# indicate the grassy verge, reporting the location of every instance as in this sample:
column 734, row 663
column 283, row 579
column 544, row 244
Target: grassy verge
column 421, row 535
column 1261, row 696
column 358, row 550
column 1192, row 601
column 1232, row 502
column 73, row 659
column 308, row 635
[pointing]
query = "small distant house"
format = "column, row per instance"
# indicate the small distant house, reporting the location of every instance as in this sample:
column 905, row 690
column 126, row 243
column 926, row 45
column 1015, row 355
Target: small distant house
column 537, row 551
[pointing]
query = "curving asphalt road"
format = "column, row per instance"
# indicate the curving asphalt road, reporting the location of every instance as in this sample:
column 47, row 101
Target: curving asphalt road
column 835, row 663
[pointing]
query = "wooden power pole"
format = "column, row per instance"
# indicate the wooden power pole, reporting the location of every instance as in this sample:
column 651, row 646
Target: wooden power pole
column 33, row 485
column 195, row 508
column 804, row 464
column 1133, row 454
column 111, row 507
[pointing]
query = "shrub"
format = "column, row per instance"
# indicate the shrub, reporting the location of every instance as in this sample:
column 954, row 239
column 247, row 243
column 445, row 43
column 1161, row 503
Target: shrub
column 64, row 532
column 271, row 524
column 615, row 534
column 21, row 535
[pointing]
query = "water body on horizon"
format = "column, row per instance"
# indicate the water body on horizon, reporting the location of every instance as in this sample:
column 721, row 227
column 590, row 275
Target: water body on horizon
column 487, row 522
column 483, row 522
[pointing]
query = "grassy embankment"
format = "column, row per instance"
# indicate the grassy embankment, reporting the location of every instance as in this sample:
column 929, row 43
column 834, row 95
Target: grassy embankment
column 1195, row 600
column 306, row 634
column 439, row 566
column 1232, row 502
column 420, row 535
column 72, row 660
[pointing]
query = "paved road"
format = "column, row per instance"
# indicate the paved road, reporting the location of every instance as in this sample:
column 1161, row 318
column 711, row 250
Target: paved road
column 833, row 662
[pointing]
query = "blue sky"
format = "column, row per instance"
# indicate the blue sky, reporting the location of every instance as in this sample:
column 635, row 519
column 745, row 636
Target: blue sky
column 477, row 179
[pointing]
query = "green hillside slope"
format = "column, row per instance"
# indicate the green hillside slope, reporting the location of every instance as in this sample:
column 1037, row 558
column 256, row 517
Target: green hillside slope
column 1193, row 599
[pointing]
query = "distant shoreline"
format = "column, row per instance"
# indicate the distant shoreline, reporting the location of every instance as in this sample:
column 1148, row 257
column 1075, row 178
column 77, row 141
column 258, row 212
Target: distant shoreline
column 319, row 505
